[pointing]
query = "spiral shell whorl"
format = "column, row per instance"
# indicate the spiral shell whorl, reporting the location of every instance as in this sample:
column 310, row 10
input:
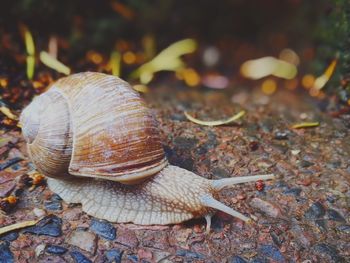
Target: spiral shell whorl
column 47, row 129
column 30, row 120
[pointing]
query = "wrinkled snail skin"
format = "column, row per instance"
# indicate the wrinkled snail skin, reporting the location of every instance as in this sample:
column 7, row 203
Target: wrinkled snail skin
column 95, row 139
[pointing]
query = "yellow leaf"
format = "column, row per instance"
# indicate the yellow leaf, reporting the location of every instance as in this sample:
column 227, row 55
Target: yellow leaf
column 7, row 112
column 215, row 123
column 9, row 228
column 28, row 40
column 322, row 80
column 30, row 66
column 305, row 125
column 53, row 63
column 115, row 63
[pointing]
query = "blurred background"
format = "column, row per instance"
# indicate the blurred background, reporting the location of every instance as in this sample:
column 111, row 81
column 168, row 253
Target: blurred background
column 271, row 44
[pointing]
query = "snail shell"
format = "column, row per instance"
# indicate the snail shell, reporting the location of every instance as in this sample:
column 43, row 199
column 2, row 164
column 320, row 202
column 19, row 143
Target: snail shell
column 93, row 125
column 95, row 139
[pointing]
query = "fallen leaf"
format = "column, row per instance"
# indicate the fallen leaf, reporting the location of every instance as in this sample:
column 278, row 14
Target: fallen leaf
column 215, row 123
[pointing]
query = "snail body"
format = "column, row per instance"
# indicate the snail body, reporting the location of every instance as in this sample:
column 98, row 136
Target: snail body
column 95, row 139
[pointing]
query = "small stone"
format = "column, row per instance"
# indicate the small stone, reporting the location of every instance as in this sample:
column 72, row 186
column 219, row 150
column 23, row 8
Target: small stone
column 114, row 255
column 344, row 229
column 53, row 206
column 144, row 254
column 266, row 207
column 315, row 211
column 238, row 259
column 79, row 257
column 281, row 135
column 50, row 226
column 6, row 188
column 161, row 256
column 72, row 214
column 293, row 191
column 302, row 235
column 83, row 240
column 133, row 258
column 272, row 252
column 321, row 224
column 6, row 255
column 305, row 163
column 9, row 163
column 335, row 215
column 54, row 203
column 325, row 250
column 253, row 145
column 103, row 229
column 127, row 237
column 295, row 152
column 39, row 250
column 57, row 250
column 39, row 212
column 189, row 254
column 10, row 236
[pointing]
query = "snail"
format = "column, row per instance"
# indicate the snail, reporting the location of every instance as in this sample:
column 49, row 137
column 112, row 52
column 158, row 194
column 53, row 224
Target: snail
column 96, row 141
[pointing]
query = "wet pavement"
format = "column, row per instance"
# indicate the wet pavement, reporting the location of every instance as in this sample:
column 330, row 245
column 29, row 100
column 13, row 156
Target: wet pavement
column 302, row 216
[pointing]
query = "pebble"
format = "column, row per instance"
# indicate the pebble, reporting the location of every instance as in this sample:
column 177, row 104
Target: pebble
column 9, row 163
column 253, row 145
column 133, row 258
column 189, row 254
column 266, row 207
column 144, row 254
column 103, row 229
column 50, row 226
column 39, row 250
column 321, row 224
column 238, row 259
column 281, row 135
column 161, row 256
column 72, row 214
column 315, row 211
column 293, row 191
column 304, row 237
column 344, row 229
column 54, row 203
column 83, row 240
column 53, row 206
column 127, row 237
column 6, row 255
column 10, row 236
column 305, row 164
column 272, row 252
column 335, row 215
column 79, row 257
column 39, row 212
column 114, row 255
column 325, row 250
column 57, row 250
column 6, row 188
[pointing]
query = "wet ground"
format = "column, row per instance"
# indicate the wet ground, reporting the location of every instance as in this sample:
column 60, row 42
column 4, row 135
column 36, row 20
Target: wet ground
column 303, row 216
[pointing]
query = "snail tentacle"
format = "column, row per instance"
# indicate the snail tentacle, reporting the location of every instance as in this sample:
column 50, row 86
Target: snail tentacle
column 225, row 182
column 209, row 201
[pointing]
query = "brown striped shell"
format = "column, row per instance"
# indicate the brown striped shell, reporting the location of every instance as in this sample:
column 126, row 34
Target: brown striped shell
column 94, row 125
